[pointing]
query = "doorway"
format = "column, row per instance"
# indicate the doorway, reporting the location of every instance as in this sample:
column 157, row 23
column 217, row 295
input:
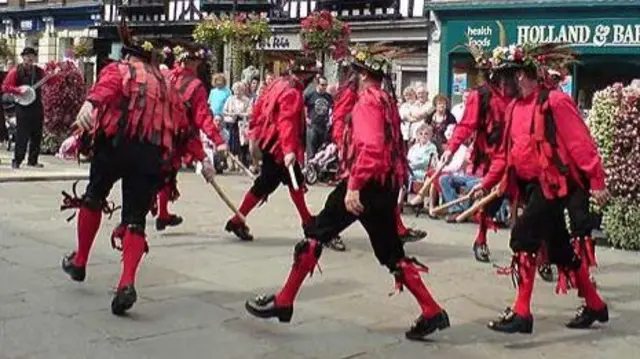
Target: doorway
column 597, row 73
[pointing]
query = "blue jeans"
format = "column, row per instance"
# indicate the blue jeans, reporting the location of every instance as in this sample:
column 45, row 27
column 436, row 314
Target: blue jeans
column 450, row 184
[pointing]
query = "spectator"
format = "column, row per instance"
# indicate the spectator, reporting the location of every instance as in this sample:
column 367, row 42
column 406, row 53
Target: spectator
column 219, row 94
column 253, row 90
column 408, row 111
column 440, row 119
column 423, row 153
column 319, row 104
column 456, row 176
column 458, row 110
column 235, row 110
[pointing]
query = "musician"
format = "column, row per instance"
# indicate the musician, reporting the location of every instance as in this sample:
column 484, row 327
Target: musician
column 30, row 118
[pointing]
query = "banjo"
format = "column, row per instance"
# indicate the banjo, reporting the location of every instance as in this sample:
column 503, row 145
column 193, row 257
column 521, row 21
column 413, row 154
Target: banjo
column 28, row 94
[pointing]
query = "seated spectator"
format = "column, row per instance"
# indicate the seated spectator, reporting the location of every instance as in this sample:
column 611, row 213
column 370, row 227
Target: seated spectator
column 442, row 120
column 422, row 154
column 456, row 179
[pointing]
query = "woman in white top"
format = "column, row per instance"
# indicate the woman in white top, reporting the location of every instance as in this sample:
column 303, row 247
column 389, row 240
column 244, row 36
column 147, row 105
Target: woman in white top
column 407, row 114
column 235, row 111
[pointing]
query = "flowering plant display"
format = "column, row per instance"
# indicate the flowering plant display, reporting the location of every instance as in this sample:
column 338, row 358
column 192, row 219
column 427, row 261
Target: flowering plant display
column 62, row 97
column 615, row 123
column 84, row 48
column 322, row 32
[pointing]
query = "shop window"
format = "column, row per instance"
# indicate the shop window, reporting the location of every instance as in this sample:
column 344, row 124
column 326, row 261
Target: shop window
column 464, row 76
column 413, row 79
column 596, row 75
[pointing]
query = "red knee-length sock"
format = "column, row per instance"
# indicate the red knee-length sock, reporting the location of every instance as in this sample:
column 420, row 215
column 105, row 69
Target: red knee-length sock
column 413, row 281
column 297, row 196
column 249, row 202
column 133, row 247
column 304, row 263
column 527, row 272
column 587, row 289
column 481, row 236
column 400, row 227
column 88, row 224
column 163, row 203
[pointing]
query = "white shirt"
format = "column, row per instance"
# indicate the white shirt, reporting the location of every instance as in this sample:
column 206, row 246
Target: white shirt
column 457, row 111
column 457, row 161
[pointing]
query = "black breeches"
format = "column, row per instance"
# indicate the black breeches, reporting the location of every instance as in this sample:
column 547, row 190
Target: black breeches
column 273, row 174
column 580, row 218
column 542, row 221
column 138, row 165
column 378, row 219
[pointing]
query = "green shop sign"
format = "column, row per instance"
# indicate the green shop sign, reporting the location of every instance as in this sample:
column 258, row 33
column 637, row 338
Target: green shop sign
column 589, row 36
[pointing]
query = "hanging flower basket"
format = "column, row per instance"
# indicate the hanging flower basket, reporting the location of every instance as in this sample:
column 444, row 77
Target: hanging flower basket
column 245, row 31
column 83, row 49
column 322, row 33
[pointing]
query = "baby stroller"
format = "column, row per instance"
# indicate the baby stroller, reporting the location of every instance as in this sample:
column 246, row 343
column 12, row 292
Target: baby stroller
column 323, row 167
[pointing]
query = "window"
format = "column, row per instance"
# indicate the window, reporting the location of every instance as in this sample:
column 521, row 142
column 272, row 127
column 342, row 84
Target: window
column 4, row 2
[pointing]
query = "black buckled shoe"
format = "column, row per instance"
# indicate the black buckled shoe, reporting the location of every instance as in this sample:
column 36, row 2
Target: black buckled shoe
column 546, row 272
column 76, row 273
column 35, row 165
column 265, row 307
column 172, row 221
column 481, row 252
column 123, row 300
column 423, row 326
column 510, row 322
column 412, row 235
column 586, row 316
column 239, row 229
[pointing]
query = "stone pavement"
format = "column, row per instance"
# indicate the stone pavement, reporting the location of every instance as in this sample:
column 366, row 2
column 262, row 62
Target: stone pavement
column 194, row 281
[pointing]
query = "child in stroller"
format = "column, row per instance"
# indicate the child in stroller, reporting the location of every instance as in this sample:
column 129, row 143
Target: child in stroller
column 323, row 166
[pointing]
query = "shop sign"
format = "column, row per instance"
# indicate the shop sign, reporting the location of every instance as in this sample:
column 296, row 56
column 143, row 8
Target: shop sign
column 587, row 35
column 282, row 42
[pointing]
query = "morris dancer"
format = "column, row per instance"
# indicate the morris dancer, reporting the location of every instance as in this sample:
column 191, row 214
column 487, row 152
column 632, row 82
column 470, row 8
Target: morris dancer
column 374, row 167
column 277, row 125
column 130, row 146
column 191, row 83
column 343, row 105
column 484, row 117
column 546, row 155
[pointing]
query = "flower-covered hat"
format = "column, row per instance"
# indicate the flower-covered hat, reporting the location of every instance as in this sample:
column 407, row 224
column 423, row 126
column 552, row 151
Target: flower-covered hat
column 377, row 58
column 183, row 50
column 540, row 57
column 143, row 49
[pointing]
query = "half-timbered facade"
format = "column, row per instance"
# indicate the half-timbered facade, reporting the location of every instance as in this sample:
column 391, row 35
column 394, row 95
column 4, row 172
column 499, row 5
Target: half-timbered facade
column 403, row 22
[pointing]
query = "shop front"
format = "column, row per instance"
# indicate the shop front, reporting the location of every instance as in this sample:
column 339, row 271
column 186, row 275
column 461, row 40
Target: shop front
column 606, row 39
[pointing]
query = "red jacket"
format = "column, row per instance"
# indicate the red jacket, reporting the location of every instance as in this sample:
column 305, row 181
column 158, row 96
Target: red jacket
column 201, row 117
column 155, row 114
column 277, row 122
column 373, row 148
column 528, row 153
column 342, row 107
column 471, row 123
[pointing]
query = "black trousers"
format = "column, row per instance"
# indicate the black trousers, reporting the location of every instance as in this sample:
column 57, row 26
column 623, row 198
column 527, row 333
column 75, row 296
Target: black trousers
column 273, row 174
column 581, row 221
column 543, row 221
column 138, row 165
column 29, row 123
column 378, row 219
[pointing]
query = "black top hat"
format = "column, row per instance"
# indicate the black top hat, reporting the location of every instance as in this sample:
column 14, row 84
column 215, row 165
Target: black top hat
column 29, row 51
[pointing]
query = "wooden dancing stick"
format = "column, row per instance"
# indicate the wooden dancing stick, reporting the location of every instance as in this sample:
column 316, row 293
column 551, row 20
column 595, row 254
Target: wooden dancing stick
column 477, row 206
column 442, row 207
column 226, row 199
column 294, row 180
column 242, row 166
column 425, row 187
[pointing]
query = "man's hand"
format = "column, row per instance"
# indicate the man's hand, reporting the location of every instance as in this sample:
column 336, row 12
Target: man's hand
column 223, row 148
column 85, row 119
column 352, row 202
column 601, row 197
column 289, row 159
column 477, row 191
column 208, row 172
column 445, row 158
